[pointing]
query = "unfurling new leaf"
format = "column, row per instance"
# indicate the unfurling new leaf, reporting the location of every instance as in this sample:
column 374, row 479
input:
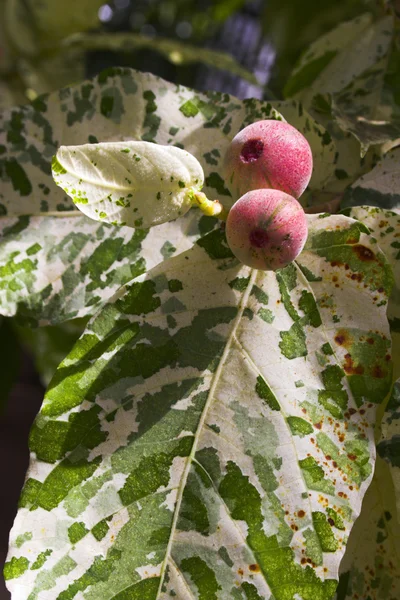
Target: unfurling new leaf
column 139, row 184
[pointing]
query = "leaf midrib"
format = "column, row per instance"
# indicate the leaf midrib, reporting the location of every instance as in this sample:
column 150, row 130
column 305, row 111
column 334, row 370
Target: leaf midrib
column 215, row 380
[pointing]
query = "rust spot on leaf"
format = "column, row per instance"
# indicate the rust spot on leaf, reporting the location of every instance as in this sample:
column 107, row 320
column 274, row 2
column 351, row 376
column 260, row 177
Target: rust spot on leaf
column 364, row 253
column 342, row 338
column 378, row 372
column 301, row 514
column 356, row 276
column 352, row 456
column 254, row 568
column 331, row 522
column 350, row 367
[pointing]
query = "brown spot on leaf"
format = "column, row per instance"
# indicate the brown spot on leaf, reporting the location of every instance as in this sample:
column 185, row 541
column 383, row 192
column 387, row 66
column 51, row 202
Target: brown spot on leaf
column 342, row 338
column 318, row 425
column 331, row 522
column 356, row 277
column 301, row 514
column 240, row 572
column 352, row 456
column 378, row 372
column 351, row 368
column 364, row 253
column 254, row 568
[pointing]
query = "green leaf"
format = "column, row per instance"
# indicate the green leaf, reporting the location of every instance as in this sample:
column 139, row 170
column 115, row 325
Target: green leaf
column 379, row 187
column 54, row 20
column 177, row 52
column 163, row 459
column 19, row 28
column 139, row 184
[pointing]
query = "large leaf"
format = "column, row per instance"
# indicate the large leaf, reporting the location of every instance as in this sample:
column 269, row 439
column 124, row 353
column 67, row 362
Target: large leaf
column 379, row 187
column 358, row 109
column 335, row 59
column 371, row 565
column 384, row 225
column 138, row 184
column 211, row 433
column 58, row 268
column 118, row 105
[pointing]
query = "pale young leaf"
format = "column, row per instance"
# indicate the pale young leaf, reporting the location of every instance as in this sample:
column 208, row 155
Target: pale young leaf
column 139, row 184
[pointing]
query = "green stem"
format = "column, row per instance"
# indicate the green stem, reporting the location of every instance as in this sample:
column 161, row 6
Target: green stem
column 211, row 208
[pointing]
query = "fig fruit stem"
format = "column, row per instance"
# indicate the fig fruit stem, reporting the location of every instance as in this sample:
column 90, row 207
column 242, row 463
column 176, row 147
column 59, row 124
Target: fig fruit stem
column 211, row 208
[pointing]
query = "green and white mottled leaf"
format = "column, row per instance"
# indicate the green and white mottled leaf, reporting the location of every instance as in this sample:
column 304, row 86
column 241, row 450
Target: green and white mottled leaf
column 118, row 105
column 380, row 187
column 177, row 52
column 139, row 184
column 57, row 268
column 384, row 225
column 388, row 446
column 211, row 433
column 371, row 565
column 357, row 108
column 335, row 59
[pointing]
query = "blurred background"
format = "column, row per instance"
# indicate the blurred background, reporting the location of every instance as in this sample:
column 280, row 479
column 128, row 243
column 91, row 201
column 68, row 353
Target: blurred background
column 255, row 44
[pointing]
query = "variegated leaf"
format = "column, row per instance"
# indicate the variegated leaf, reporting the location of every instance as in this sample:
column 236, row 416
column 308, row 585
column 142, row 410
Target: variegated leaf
column 139, row 184
column 357, row 108
column 371, row 566
column 335, row 59
column 57, row 268
column 379, row 187
column 211, row 433
column 118, row 105
column 384, row 225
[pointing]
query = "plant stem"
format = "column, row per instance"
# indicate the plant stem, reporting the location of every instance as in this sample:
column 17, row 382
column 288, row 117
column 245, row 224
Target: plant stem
column 211, row 208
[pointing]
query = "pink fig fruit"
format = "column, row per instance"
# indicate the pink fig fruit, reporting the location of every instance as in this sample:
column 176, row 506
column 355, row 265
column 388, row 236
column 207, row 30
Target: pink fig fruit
column 268, row 154
column 266, row 229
